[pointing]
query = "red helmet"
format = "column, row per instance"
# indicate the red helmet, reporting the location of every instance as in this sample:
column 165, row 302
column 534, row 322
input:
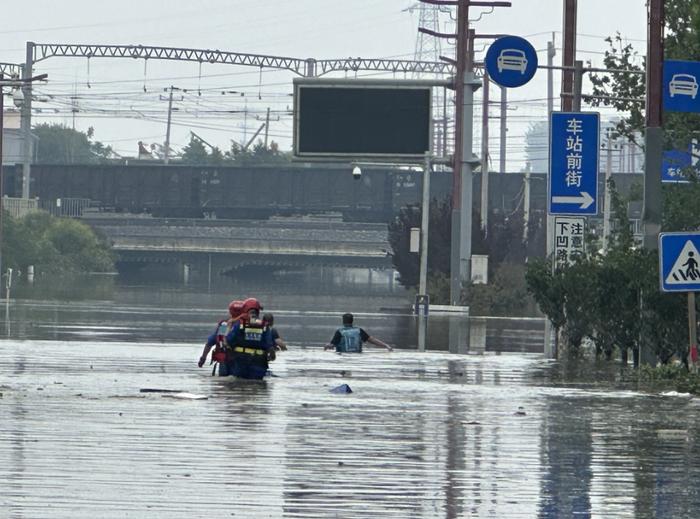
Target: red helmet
column 251, row 304
column 235, row 308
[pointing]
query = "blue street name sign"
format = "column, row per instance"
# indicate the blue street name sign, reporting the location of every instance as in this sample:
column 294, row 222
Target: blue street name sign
column 681, row 83
column 679, row 261
column 573, row 163
column 674, row 165
column 511, row 61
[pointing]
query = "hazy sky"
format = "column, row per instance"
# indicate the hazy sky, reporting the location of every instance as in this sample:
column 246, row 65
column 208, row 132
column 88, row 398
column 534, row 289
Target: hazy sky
column 121, row 98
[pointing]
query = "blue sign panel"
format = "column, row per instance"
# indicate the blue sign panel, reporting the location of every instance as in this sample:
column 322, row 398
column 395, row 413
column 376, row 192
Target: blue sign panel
column 573, row 163
column 511, row 61
column 674, row 164
column 681, row 80
column 679, row 261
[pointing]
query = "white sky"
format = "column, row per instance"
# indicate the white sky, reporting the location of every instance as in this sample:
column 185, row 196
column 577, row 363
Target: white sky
column 303, row 28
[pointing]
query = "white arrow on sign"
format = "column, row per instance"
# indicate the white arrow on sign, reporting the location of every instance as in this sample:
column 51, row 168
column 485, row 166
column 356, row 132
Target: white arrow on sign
column 584, row 199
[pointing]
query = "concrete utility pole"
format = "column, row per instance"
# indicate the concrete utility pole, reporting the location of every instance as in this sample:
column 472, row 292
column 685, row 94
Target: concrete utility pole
column 26, row 120
column 485, row 156
column 464, row 159
column 267, row 125
column 569, row 55
column 461, row 177
column 166, row 158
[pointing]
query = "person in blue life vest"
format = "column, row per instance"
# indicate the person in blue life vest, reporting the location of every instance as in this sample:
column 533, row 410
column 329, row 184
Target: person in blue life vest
column 349, row 338
column 250, row 345
column 217, row 339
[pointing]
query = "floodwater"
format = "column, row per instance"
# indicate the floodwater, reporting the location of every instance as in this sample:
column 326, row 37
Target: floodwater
column 491, row 430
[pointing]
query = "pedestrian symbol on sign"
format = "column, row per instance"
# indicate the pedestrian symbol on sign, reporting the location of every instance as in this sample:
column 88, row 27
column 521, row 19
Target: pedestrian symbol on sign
column 685, row 269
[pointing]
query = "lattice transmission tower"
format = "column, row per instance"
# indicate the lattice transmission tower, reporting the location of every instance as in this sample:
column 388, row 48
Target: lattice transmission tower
column 430, row 48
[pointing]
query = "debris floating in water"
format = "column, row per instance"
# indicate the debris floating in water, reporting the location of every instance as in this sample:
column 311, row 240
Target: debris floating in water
column 186, row 396
column 342, row 389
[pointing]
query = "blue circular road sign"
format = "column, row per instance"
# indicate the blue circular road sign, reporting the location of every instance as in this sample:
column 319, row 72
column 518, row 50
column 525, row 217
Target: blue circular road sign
column 511, row 61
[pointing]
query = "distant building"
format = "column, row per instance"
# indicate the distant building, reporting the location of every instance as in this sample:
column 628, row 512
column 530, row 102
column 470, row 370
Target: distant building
column 627, row 157
column 12, row 139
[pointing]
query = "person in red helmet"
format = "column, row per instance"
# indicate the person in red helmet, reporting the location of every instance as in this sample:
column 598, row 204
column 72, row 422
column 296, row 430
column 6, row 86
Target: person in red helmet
column 250, row 343
column 217, row 339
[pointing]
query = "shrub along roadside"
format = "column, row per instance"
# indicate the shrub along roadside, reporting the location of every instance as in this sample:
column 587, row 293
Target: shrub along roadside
column 53, row 245
column 669, row 377
column 613, row 299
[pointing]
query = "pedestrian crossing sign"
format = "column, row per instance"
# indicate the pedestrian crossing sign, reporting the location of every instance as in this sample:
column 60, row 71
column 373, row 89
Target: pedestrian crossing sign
column 679, row 261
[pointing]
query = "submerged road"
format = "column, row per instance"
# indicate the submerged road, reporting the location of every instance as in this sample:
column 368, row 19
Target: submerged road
column 423, row 435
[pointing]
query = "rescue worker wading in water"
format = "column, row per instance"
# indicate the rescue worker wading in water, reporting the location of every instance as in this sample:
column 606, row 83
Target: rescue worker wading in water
column 249, row 344
column 217, row 339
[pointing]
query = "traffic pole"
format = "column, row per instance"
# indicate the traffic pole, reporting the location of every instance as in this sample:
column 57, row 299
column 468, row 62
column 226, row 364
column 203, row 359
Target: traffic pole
column 653, row 140
column 485, row 156
column 692, row 329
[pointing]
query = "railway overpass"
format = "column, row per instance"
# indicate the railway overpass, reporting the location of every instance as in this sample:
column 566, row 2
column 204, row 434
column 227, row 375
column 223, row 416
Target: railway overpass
column 226, row 245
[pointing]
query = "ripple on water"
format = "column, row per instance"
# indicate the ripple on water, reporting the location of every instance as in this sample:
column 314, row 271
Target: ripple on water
column 423, row 435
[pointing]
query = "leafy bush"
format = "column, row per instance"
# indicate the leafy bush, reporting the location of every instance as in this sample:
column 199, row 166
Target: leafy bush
column 54, row 245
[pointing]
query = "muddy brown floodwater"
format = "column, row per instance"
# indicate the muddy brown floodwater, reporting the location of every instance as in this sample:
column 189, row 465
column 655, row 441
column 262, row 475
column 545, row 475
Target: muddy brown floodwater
column 423, row 435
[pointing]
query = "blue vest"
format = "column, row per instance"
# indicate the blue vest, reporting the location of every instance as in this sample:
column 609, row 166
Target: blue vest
column 350, row 340
column 251, row 340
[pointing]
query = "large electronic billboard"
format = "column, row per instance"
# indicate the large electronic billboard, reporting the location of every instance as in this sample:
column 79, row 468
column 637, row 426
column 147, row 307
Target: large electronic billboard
column 361, row 119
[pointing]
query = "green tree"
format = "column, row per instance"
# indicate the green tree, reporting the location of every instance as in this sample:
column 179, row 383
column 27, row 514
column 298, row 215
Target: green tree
column 682, row 41
column 54, row 245
column 257, row 154
column 59, row 144
column 612, row 299
column 196, row 153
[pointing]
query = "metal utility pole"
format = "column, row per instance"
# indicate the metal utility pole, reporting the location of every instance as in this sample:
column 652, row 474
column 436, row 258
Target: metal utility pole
column 14, row 83
column 464, row 159
column 26, row 120
column 569, row 55
column 526, row 203
column 653, row 143
column 425, row 214
column 578, row 85
column 460, row 264
column 606, row 190
column 2, row 178
column 504, row 130
column 485, row 156
column 654, row 112
column 549, row 229
column 166, row 158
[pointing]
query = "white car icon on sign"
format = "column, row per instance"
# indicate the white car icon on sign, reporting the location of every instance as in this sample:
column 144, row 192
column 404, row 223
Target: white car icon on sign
column 512, row 59
column 683, row 85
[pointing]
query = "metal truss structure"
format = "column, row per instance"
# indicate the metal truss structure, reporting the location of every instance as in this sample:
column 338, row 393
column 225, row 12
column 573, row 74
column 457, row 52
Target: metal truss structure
column 308, row 67
column 11, row 69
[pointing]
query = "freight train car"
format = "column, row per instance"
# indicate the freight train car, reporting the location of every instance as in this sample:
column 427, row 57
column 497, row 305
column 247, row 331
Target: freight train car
column 259, row 191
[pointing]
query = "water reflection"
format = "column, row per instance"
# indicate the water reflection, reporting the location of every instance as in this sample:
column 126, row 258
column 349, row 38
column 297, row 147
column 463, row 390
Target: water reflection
column 112, row 309
column 488, row 429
